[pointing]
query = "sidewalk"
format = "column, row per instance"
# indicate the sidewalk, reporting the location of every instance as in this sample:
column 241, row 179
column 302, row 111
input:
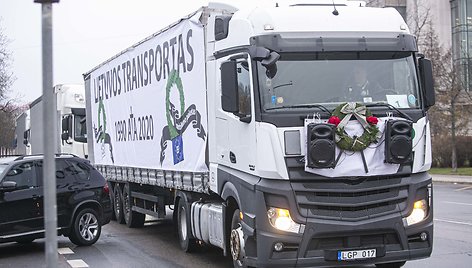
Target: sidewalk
column 452, row 178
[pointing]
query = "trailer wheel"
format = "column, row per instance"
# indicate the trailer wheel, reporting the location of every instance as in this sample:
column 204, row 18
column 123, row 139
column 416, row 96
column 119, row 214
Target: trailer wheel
column 132, row 218
column 118, row 204
column 236, row 241
column 391, row 265
column 183, row 227
column 112, row 200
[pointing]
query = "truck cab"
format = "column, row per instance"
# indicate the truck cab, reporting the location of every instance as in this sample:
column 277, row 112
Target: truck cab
column 70, row 107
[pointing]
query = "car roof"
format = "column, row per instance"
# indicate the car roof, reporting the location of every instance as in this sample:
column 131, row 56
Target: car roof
column 11, row 159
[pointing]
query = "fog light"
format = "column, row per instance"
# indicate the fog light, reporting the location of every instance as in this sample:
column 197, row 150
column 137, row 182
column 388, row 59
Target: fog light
column 423, row 236
column 278, row 246
column 420, row 209
column 280, row 219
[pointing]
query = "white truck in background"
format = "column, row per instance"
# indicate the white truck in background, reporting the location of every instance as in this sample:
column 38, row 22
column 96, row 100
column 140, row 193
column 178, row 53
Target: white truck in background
column 22, row 134
column 239, row 118
column 72, row 135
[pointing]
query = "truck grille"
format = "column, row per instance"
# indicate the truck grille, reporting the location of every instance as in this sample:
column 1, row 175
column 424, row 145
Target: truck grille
column 350, row 199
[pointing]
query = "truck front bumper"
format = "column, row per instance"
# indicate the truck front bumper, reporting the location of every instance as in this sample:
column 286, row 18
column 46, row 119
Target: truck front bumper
column 321, row 238
column 319, row 244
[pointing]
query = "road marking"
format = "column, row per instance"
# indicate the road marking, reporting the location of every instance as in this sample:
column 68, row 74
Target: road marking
column 462, row 189
column 455, row 222
column 457, row 203
column 64, row 251
column 77, row 264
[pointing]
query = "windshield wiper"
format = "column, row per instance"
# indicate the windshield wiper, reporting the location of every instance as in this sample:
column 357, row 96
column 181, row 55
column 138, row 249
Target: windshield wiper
column 319, row 106
column 391, row 107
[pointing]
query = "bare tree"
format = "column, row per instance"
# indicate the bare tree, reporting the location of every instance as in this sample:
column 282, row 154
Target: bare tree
column 6, row 77
column 8, row 108
column 450, row 117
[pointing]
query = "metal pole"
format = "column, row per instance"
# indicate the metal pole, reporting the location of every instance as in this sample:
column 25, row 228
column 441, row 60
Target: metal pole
column 50, row 137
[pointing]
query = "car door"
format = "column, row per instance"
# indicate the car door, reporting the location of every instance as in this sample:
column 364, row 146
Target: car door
column 19, row 206
column 66, row 188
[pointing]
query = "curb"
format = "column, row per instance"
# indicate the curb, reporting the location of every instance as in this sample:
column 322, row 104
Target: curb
column 452, row 178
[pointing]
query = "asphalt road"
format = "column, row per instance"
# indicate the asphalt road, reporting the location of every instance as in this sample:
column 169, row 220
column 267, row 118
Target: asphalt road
column 155, row 245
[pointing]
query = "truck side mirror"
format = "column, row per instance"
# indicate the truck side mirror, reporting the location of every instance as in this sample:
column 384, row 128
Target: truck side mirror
column 26, row 137
column 65, row 123
column 426, row 74
column 65, row 136
column 229, row 87
column 66, row 128
column 270, row 63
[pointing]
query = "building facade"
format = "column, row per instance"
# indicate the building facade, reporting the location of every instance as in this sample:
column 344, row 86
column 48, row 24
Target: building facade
column 416, row 11
column 461, row 15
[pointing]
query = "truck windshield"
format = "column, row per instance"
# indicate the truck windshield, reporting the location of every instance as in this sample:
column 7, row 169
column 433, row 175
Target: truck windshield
column 307, row 81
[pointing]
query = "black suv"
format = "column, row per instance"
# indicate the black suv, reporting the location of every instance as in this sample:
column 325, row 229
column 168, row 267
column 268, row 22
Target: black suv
column 83, row 200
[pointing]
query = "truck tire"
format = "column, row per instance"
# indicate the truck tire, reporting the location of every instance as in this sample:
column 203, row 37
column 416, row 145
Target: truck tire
column 112, row 199
column 118, row 204
column 391, row 265
column 235, row 244
column 86, row 228
column 187, row 244
column 132, row 218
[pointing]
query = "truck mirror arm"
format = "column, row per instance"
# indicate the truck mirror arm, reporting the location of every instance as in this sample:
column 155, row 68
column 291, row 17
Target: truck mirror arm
column 246, row 119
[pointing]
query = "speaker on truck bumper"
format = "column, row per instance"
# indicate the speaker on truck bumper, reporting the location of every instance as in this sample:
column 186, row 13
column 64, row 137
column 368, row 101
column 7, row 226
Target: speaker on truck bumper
column 398, row 142
column 321, row 146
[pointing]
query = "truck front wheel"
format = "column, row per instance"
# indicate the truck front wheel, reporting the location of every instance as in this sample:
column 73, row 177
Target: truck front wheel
column 236, row 241
column 183, row 227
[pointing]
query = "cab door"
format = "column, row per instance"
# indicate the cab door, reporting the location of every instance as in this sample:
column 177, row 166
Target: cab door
column 20, row 205
column 235, row 131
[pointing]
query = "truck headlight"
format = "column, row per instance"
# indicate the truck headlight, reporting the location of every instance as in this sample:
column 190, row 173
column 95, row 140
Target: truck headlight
column 419, row 213
column 280, row 219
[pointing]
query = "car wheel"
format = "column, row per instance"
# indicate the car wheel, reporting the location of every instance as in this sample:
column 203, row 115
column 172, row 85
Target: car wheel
column 132, row 218
column 118, row 204
column 183, row 227
column 86, row 228
column 236, row 241
column 391, row 265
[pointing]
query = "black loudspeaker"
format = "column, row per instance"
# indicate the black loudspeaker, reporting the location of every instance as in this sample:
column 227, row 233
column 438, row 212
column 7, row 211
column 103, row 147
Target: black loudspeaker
column 321, row 147
column 398, row 142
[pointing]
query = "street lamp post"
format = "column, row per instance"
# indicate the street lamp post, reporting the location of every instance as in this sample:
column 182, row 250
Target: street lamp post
column 50, row 136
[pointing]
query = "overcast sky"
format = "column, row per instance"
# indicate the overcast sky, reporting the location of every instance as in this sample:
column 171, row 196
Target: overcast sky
column 85, row 33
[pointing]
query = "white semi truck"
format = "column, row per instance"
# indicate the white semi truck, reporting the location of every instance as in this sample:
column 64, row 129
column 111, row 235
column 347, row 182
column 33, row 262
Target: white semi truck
column 72, row 136
column 256, row 127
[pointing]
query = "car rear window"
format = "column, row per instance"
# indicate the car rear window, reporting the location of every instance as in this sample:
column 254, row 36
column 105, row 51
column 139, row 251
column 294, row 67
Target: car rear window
column 79, row 169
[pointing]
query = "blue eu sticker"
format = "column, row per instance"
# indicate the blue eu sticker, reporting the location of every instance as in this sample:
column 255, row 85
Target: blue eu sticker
column 274, row 99
column 178, row 149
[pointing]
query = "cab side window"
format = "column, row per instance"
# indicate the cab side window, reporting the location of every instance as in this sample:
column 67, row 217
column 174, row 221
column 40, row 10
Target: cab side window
column 23, row 174
column 244, row 87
